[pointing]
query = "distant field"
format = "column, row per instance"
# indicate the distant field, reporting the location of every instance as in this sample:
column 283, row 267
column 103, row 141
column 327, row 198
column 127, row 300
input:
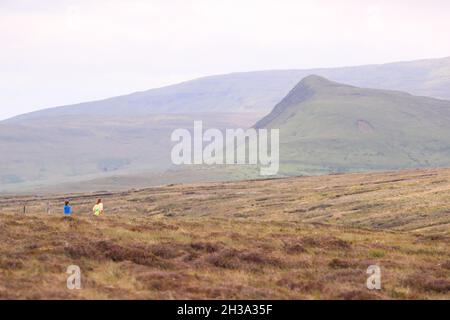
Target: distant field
column 75, row 151
column 295, row 238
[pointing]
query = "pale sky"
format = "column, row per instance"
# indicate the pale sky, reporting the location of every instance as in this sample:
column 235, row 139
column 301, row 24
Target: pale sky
column 61, row 52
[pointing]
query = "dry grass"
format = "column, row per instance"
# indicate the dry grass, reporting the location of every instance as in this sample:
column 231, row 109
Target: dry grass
column 297, row 238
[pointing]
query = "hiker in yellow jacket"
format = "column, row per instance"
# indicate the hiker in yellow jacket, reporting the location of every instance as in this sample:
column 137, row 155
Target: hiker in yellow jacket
column 98, row 208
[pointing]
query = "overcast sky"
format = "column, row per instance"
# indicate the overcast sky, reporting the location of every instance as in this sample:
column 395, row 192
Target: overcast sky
column 62, row 52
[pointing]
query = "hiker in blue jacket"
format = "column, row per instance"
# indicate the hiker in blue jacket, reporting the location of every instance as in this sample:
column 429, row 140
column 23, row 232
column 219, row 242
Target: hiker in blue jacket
column 67, row 209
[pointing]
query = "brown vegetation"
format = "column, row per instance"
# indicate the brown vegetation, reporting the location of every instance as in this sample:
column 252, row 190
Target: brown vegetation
column 271, row 239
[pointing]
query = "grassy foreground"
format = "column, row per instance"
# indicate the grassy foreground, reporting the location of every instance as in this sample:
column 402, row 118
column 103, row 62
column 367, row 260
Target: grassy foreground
column 296, row 238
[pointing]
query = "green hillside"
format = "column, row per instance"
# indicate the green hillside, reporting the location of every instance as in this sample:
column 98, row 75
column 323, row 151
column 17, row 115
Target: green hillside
column 330, row 127
column 40, row 153
column 104, row 143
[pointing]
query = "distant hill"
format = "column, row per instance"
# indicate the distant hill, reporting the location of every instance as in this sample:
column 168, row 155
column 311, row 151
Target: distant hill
column 331, row 127
column 102, row 143
column 258, row 92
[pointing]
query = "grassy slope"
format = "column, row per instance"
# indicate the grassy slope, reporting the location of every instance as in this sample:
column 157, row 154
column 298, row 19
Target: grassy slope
column 67, row 150
column 311, row 237
column 330, row 127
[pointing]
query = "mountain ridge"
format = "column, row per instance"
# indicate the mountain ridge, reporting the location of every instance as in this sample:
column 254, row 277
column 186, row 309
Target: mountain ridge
column 258, row 91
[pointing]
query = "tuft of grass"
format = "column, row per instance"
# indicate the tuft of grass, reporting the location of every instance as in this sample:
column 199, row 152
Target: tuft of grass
column 377, row 253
